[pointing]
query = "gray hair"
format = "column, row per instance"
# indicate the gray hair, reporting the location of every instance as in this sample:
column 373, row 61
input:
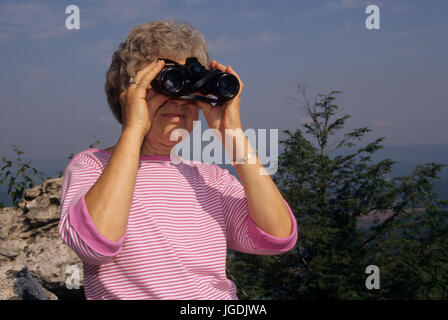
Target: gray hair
column 171, row 39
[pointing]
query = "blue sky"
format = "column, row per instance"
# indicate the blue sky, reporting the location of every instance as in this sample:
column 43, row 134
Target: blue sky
column 394, row 80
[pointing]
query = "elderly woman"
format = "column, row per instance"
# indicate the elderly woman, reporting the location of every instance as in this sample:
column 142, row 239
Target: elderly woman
column 146, row 227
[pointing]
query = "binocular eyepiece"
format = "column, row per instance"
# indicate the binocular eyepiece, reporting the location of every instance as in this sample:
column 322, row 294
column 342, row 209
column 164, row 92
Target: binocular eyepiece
column 180, row 81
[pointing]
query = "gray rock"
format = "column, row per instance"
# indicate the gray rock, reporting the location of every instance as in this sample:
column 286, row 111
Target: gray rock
column 32, row 193
column 52, row 187
column 42, row 213
column 28, row 288
column 11, row 248
column 31, row 249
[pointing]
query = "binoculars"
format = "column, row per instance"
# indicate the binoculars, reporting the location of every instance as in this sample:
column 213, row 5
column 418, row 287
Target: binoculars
column 180, row 81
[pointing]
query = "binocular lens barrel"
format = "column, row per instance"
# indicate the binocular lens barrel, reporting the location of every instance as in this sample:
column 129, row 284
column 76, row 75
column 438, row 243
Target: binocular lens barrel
column 227, row 86
column 172, row 80
column 178, row 80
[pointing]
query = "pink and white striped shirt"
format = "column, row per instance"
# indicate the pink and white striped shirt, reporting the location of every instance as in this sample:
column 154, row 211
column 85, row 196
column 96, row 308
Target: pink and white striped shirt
column 182, row 219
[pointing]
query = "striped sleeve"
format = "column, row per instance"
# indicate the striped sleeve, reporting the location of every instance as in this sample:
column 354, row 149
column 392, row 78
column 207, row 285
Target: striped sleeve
column 76, row 227
column 242, row 233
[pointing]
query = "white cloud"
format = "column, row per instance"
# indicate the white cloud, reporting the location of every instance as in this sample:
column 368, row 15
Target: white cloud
column 33, row 19
column 342, row 4
column 124, row 11
column 31, row 76
column 39, row 20
column 223, row 44
column 250, row 14
column 337, row 6
column 407, row 33
column 226, row 44
column 6, row 35
column 348, row 27
column 103, row 50
column 398, row 8
column 264, row 38
column 192, row 2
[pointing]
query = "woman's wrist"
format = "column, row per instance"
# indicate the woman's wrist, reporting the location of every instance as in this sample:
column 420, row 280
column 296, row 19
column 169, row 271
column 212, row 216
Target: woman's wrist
column 249, row 158
column 238, row 147
column 131, row 140
column 134, row 133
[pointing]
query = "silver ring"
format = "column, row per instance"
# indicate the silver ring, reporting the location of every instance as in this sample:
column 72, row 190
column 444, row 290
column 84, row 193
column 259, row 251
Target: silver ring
column 132, row 81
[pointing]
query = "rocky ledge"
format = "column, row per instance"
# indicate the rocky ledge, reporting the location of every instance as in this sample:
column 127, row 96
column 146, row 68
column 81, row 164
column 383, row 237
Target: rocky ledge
column 35, row 264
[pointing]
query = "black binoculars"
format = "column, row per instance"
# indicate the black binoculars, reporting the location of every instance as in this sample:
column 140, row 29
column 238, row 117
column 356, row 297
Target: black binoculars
column 180, row 81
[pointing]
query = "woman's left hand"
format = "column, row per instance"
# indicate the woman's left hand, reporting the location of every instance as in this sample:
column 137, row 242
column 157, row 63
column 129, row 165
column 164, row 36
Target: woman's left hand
column 227, row 115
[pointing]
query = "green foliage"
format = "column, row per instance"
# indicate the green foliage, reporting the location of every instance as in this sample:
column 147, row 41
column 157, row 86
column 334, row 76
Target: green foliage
column 22, row 179
column 25, row 174
column 94, row 144
column 330, row 197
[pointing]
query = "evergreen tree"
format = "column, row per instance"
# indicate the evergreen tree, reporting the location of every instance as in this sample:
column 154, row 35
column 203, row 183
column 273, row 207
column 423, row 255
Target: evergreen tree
column 331, row 196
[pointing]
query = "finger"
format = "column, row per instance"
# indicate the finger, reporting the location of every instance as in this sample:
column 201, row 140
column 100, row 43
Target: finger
column 216, row 65
column 144, row 84
column 151, row 73
column 140, row 75
column 142, row 72
column 227, row 69
column 231, row 71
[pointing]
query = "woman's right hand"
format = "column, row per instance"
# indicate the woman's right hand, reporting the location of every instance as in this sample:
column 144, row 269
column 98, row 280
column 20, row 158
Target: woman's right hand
column 140, row 102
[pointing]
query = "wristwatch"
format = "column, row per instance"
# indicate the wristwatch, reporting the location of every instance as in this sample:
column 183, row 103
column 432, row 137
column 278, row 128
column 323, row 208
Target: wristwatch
column 245, row 158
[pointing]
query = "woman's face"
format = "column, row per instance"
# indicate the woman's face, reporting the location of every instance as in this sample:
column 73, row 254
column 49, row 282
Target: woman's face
column 173, row 114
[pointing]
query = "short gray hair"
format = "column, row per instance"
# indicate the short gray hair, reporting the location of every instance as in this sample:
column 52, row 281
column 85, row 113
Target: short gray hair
column 145, row 43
